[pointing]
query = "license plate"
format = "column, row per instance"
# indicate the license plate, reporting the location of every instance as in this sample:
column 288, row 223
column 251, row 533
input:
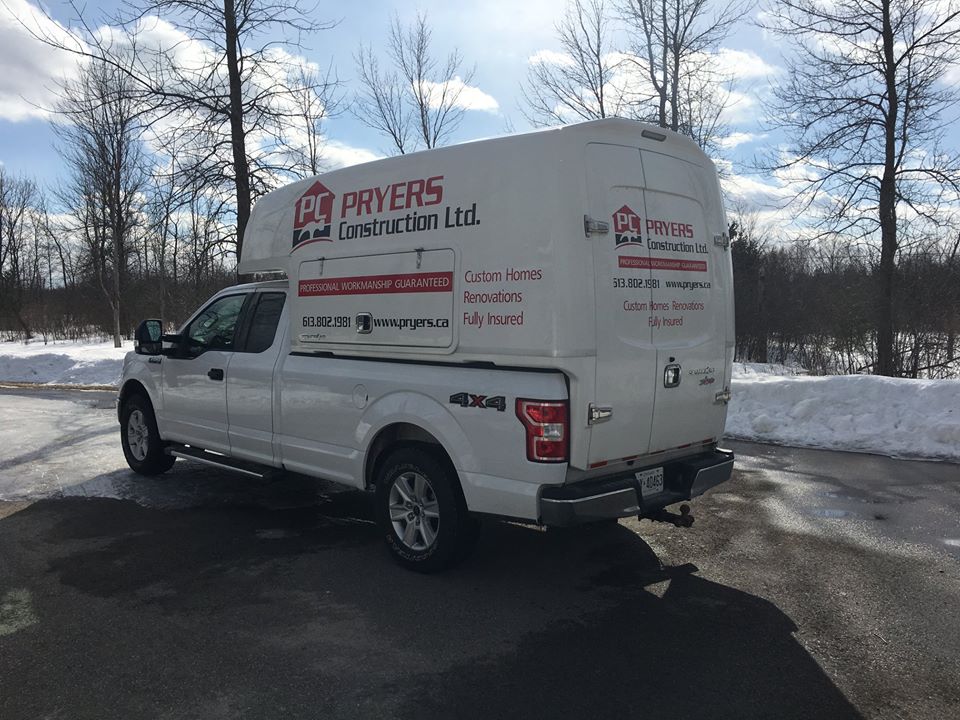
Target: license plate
column 651, row 481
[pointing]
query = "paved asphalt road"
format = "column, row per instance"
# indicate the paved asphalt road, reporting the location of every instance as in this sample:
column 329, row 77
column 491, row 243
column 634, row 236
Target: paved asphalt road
column 813, row 585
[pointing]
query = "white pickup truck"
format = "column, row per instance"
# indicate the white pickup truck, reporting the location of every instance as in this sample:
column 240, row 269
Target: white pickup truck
column 537, row 327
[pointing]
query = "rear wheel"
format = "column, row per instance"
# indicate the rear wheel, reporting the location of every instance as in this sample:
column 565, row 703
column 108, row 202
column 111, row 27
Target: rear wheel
column 421, row 511
column 142, row 446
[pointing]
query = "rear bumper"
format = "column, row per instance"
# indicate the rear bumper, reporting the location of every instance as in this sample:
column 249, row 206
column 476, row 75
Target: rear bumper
column 620, row 496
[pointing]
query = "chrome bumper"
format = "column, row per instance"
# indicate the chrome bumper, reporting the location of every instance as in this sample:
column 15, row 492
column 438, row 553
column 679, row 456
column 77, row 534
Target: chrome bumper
column 619, row 496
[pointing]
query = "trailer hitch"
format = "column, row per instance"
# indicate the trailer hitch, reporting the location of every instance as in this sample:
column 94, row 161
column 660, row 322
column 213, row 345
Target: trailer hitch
column 683, row 519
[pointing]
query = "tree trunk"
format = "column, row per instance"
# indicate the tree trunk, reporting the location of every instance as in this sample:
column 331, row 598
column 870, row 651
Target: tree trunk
column 675, row 82
column 27, row 333
column 762, row 354
column 663, row 60
column 886, row 362
column 117, row 340
column 241, row 168
column 115, row 302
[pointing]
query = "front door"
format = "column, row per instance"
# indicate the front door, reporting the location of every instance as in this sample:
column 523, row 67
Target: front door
column 194, row 381
column 250, row 390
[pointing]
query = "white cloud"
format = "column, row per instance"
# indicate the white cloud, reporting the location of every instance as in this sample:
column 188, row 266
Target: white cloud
column 742, row 65
column 741, row 107
column 339, row 155
column 751, row 190
column 736, row 139
column 794, row 172
column 549, row 57
column 765, row 202
column 731, row 71
column 189, row 60
column 29, row 69
column 155, row 37
column 469, row 97
column 952, row 75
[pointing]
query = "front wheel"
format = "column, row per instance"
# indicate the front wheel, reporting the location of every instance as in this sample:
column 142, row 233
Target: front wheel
column 421, row 512
column 142, row 446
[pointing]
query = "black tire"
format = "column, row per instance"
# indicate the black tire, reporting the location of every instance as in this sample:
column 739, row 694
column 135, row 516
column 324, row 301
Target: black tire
column 605, row 523
column 136, row 415
column 433, row 543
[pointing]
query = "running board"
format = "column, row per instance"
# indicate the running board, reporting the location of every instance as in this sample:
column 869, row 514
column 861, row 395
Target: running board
column 220, row 461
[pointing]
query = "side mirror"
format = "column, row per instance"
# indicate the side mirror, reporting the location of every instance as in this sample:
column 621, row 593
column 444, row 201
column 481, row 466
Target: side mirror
column 146, row 341
column 175, row 347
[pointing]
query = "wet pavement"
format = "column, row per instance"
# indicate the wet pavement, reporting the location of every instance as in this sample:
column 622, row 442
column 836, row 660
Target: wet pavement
column 882, row 499
column 813, row 584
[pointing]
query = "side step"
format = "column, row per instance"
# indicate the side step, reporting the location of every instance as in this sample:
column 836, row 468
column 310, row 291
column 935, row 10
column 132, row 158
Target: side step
column 221, row 461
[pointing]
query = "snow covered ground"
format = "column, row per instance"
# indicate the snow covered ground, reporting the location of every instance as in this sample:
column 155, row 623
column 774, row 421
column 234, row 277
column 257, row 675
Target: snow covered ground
column 888, row 416
column 62, row 363
column 771, row 403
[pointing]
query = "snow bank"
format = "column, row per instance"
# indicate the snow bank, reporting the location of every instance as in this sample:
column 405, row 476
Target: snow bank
column 889, row 416
column 62, row 363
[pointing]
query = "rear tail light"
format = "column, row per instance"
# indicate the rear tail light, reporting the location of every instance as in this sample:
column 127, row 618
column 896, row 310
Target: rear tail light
column 548, row 429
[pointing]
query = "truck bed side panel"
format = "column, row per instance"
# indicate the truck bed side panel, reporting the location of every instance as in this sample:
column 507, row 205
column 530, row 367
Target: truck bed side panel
column 330, row 417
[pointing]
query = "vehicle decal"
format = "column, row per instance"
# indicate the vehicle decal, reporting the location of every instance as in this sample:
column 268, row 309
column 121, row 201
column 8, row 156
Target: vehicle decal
column 627, row 227
column 360, row 213
column 422, row 282
column 312, row 215
column 469, row 400
column 659, row 263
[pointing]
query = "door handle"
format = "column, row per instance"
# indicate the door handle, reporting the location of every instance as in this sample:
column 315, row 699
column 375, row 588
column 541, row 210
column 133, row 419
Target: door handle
column 671, row 375
column 598, row 414
column 364, row 323
column 215, row 374
column 594, row 227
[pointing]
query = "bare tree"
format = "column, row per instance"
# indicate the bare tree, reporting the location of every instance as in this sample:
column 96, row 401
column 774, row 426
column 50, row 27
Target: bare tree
column 864, row 104
column 220, row 83
column 204, row 226
column 314, row 100
column 103, row 152
column 382, row 102
column 578, row 84
column 18, row 197
column 672, row 49
column 164, row 205
column 417, row 101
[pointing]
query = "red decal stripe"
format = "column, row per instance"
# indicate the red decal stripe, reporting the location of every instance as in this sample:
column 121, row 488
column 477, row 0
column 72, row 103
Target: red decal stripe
column 655, row 263
column 425, row 282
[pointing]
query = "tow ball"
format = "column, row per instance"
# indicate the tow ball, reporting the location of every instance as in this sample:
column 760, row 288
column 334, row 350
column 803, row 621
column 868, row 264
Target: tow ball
column 683, row 519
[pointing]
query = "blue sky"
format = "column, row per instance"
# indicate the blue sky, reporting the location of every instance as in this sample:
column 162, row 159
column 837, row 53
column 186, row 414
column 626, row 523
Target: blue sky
column 498, row 37
column 495, row 36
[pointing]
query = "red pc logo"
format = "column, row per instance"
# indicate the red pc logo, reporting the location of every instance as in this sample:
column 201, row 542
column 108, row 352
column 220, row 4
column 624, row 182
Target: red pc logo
column 312, row 215
column 626, row 227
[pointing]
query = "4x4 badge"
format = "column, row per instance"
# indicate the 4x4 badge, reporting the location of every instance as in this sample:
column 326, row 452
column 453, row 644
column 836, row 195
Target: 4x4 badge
column 499, row 402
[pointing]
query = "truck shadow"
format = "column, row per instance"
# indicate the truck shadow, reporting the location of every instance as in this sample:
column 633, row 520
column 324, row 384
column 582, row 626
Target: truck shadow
column 281, row 596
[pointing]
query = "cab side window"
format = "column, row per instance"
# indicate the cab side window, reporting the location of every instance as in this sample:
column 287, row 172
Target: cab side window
column 214, row 328
column 263, row 324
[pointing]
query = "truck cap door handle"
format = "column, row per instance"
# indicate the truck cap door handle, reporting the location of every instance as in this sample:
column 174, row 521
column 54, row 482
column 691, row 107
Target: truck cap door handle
column 671, row 375
column 215, row 374
column 598, row 413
